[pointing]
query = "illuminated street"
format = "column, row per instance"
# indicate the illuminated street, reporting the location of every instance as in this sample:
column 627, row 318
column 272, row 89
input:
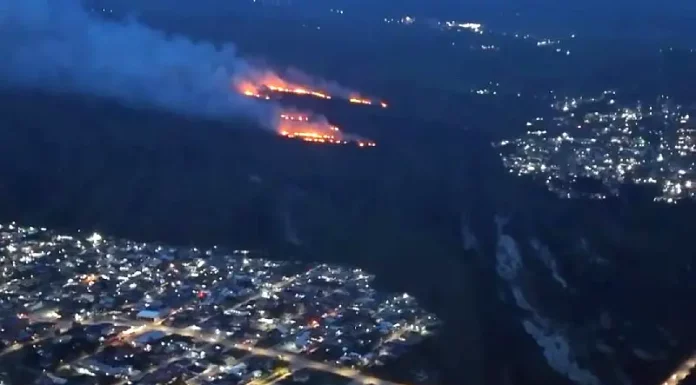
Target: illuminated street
column 274, row 311
column 295, row 360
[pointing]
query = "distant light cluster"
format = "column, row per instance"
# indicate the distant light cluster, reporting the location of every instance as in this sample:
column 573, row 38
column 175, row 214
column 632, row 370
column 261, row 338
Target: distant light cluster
column 473, row 27
column 150, row 313
column 612, row 142
column 490, row 89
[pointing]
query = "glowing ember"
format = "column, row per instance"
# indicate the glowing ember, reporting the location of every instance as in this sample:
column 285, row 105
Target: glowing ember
column 249, row 89
column 269, row 82
column 300, row 126
column 360, row 101
column 298, row 91
column 260, row 85
column 295, row 117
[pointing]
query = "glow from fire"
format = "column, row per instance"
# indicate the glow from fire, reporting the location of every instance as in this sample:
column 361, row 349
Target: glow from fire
column 355, row 99
column 250, row 89
column 299, row 91
column 261, row 85
column 301, row 126
column 360, row 101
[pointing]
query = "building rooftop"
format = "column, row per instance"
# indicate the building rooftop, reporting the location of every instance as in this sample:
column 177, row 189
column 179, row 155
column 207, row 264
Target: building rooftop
column 100, row 311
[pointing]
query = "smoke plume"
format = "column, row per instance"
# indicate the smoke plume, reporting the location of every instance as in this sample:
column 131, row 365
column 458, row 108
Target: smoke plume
column 57, row 46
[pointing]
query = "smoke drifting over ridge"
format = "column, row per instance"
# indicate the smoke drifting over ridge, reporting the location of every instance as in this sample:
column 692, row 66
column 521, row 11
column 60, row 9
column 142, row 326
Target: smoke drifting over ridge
column 55, row 45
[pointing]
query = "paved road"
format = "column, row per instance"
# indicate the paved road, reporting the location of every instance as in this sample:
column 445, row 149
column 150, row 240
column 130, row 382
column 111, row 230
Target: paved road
column 294, row 359
column 272, row 379
column 19, row 346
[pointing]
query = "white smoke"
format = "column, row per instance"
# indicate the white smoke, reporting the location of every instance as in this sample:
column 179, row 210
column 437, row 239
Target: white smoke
column 57, row 46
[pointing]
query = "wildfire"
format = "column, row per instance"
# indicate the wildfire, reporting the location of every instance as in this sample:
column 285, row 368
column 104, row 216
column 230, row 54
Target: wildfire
column 262, row 85
column 368, row 102
column 302, row 127
column 298, row 91
column 250, row 89
column 360, row 101
column 293, row 125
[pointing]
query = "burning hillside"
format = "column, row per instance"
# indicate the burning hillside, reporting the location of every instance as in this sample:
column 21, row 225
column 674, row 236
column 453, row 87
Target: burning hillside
column 263, row 84
column 317, row 130
column 264, row 89
column 359, row 100
column 294, row 125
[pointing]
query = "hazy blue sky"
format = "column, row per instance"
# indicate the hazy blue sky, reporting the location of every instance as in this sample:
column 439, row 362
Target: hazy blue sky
column 58, row 46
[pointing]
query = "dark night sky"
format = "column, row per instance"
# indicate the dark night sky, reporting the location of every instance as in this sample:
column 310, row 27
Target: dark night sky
column 590, row 17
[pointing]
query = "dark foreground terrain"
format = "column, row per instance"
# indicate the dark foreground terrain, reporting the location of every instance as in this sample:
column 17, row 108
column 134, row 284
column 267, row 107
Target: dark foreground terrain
column 74, row 163
column 407, row 211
